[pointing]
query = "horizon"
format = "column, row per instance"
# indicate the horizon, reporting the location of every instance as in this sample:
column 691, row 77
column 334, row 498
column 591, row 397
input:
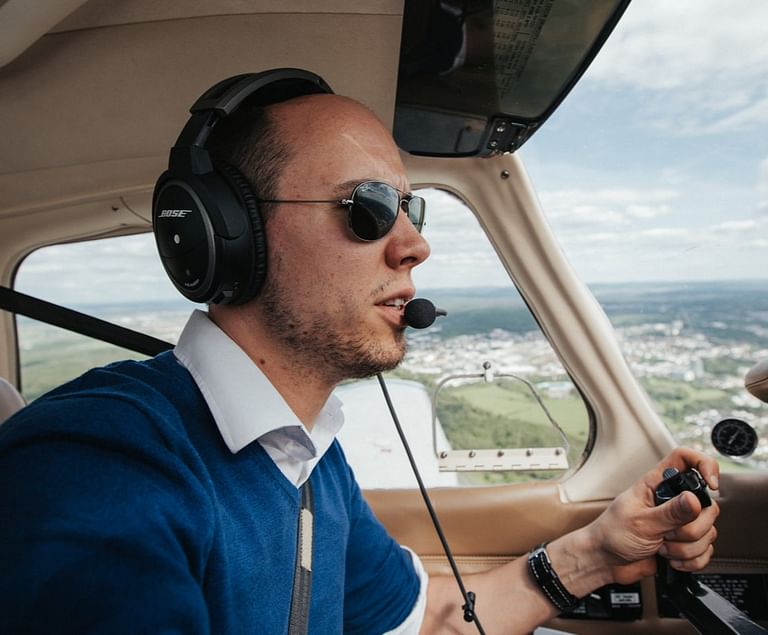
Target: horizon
column 177, row 301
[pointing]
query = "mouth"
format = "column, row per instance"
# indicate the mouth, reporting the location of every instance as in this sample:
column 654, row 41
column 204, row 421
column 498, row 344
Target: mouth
column 397, row 303
column 394, row 307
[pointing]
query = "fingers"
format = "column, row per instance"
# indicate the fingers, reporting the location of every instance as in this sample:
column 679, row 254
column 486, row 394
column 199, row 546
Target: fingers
column 687, row 528
column 633, row 529
column 684, row 459
column 676, row 513
column 689, row 547
column 693, row 564
column 696, row 528
column 682, row 551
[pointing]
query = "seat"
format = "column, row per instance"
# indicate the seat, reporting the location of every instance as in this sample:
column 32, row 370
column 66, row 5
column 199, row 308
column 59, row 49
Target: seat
column 10, row 399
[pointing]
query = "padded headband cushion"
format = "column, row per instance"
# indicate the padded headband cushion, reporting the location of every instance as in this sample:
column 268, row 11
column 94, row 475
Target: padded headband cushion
column 283, row 90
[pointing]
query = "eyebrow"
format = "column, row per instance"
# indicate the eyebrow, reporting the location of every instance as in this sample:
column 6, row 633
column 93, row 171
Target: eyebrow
column 342, row 190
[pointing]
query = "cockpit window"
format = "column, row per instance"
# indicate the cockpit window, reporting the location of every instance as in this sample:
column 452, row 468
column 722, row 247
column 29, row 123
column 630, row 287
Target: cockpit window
column 654, row 176
column 501, row 397
column 116, row 279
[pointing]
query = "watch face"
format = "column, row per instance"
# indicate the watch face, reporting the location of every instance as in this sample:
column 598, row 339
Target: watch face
column 734, row 437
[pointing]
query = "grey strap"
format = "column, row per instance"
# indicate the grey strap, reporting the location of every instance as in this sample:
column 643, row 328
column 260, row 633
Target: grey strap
column 298, row 623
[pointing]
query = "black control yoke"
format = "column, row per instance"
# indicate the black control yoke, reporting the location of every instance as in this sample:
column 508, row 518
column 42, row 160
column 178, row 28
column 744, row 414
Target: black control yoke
column 708, row 611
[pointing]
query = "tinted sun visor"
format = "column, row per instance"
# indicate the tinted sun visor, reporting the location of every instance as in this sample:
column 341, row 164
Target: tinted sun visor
column 478, row 77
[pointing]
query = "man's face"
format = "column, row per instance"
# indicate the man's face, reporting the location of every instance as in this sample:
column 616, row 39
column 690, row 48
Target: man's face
column 333, row 302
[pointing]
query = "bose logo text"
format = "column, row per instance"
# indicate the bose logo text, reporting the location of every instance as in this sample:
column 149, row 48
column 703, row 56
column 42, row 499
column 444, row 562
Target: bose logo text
column 174, row 213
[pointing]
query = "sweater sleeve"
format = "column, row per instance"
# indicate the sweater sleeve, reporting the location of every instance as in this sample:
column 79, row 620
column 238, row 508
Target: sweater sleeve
column 104, row 524
column 382, row 585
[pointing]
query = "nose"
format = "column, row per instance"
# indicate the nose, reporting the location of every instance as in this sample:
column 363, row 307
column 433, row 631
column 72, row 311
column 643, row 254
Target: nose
column 406, row 247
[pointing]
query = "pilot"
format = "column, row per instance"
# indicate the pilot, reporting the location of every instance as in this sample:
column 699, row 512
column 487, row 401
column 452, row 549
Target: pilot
column 165, row 495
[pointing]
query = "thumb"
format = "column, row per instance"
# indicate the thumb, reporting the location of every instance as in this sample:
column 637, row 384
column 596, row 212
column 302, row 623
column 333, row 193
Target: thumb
column 679, row 511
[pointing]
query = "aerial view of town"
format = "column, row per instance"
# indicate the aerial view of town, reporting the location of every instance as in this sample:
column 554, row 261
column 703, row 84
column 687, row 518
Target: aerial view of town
column 689, row 345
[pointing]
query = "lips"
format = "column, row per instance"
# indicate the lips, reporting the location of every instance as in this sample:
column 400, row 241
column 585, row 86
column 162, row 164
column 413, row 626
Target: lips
column 397, row 303
column 393, row 306
column 398, row 299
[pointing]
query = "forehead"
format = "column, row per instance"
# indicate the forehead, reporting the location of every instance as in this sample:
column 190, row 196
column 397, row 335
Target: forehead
column 335, row 142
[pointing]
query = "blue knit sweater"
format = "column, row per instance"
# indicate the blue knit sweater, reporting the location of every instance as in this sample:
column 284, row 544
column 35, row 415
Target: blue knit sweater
column 122, row 511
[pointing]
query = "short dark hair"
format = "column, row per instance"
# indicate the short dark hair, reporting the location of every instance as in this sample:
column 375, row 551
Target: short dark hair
column 249, row 141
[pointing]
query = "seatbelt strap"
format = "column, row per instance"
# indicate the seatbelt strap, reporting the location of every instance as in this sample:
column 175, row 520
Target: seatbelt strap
column 298, row 622
column 56, row 315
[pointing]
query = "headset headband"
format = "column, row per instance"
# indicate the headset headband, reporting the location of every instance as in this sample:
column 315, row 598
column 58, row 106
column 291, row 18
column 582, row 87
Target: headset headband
column 224, row 98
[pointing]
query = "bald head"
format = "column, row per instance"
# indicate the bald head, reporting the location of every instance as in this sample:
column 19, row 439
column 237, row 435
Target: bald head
column 271, row 146
column 315, row 129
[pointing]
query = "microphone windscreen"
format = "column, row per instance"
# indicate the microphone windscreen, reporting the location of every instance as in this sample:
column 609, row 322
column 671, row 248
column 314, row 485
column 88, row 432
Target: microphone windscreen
column 421, row 313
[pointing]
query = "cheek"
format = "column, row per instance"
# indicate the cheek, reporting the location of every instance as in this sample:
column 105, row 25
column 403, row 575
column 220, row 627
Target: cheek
column 290, row 254
column 319, row 260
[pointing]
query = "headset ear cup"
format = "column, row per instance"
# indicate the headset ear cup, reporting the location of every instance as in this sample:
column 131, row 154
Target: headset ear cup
column 211, row 257
column 251, row 205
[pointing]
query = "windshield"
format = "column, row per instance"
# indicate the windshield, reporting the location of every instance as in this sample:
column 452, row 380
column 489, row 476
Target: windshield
column 654, row 176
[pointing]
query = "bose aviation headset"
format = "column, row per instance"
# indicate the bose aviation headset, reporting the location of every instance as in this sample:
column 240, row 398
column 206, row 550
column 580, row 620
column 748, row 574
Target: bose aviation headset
column 206, row 218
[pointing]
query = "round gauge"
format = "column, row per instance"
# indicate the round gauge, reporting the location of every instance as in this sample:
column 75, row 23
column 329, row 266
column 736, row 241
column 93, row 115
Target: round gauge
column 734, row 437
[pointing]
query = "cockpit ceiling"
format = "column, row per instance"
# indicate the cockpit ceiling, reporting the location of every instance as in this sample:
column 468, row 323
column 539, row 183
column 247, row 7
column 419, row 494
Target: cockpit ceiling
column 90, row 108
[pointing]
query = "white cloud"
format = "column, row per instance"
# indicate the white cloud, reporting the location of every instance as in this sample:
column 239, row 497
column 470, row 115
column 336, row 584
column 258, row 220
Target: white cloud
column 669, row 253
column 665, row 233
column 125, row 268
column 762, row 186
column 660, row 45
column 737, row 226
column 750, row 116
column 636, row 233
column 692, row 52
column 621, row 233
column 461, row 252
column 647, row 211
column 606, row 207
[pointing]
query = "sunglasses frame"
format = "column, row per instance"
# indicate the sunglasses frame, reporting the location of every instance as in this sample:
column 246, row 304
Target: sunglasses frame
column 405, row 199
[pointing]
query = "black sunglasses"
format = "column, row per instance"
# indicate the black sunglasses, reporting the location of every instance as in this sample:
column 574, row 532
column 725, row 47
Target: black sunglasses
column 373, row 208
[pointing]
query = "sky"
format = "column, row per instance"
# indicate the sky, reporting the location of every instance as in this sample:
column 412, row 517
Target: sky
column 655, row 167
column 664, row 174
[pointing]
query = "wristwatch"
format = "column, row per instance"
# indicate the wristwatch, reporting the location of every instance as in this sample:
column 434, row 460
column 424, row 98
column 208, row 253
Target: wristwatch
column 546, row 579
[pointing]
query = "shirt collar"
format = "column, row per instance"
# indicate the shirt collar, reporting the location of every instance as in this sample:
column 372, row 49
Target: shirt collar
column 243, row 402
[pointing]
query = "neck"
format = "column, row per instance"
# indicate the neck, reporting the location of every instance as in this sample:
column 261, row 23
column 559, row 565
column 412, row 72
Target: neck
column 303, row 388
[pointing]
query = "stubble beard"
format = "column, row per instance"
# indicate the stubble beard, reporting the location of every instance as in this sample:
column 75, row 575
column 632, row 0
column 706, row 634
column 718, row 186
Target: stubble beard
column 334, row 354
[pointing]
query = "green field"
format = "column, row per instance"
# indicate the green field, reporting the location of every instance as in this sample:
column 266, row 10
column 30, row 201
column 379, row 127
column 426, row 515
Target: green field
column 54, row 356
column 505, row 414
column 676, row 400
column 520, row 420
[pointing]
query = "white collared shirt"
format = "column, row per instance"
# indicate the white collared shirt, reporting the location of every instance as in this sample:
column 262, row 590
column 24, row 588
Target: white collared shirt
column 235, row 388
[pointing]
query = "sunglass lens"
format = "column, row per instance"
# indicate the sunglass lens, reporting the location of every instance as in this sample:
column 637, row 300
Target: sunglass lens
column 415, row 207
column 374, row 210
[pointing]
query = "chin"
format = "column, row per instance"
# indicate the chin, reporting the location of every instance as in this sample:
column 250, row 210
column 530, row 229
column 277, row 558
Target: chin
column 396, row 354
column 374, row 359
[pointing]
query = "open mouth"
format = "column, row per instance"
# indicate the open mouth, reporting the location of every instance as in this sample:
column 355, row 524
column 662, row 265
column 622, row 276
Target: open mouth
column 397, row 303
column 394, row 309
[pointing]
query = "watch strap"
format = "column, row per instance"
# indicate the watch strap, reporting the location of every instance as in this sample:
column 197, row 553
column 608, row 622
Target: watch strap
column 547, row 580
